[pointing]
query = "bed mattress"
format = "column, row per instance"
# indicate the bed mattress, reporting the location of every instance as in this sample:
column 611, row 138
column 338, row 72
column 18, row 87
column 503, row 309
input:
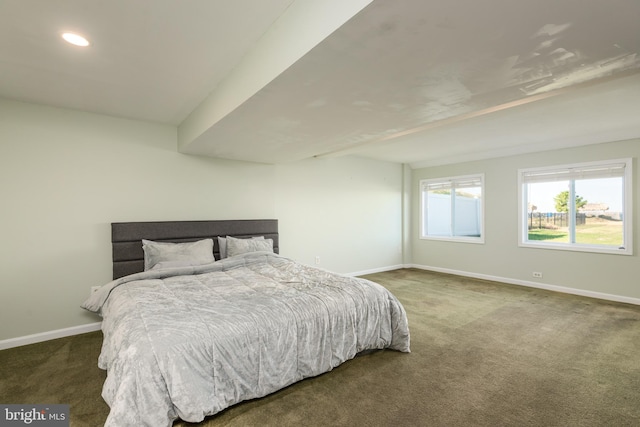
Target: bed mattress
column 189, row 342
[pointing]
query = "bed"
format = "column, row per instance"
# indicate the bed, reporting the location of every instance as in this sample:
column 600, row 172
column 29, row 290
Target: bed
column 208, row 314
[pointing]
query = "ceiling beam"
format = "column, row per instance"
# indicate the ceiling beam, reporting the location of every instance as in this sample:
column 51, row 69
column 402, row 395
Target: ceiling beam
column 300, row 28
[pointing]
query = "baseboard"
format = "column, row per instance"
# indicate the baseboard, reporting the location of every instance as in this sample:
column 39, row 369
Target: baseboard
column 376, row 270
column 549, row 287
column 92, row 327
column 50, row 335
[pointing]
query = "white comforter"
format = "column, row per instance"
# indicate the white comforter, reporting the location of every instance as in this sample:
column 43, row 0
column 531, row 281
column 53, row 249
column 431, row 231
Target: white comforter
column 190, row 342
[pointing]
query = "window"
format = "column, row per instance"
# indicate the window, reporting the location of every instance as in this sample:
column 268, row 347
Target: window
column 452, row 208
column 581, row 207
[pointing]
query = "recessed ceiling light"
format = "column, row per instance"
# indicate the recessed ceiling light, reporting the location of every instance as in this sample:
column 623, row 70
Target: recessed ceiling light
column 75, row 39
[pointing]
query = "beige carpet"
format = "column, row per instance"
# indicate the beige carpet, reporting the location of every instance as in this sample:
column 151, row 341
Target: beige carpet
column 483, row 354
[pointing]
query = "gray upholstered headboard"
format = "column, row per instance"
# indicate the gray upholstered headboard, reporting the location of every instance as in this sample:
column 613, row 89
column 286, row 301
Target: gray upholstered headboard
column 126, row 237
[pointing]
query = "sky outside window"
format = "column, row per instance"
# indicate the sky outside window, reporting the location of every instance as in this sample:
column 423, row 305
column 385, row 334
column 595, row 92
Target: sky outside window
column 602, row 190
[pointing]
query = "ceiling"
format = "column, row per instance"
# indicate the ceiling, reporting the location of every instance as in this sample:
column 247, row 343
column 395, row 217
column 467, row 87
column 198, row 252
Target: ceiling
column 409, row 81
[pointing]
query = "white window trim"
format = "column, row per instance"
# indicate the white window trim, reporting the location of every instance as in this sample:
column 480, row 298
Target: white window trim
column 459, row 239
column 626, row 209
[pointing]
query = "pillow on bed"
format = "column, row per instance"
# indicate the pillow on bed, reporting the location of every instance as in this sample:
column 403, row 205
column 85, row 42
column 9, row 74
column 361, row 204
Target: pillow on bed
column 177, row 254
column 222, row 245
column 241, row 246
column 173, row 264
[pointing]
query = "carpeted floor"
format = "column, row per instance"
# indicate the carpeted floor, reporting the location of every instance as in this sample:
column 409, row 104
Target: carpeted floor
column 483, row 354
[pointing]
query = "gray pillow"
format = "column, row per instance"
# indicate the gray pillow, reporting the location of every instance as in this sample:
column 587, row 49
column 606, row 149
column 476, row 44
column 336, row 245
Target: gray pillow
column 222, row 245
column 177, row 254
column 241, row 246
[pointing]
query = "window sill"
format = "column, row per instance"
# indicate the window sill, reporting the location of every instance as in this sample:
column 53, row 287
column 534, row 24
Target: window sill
column 578, row 248
column 476, row 240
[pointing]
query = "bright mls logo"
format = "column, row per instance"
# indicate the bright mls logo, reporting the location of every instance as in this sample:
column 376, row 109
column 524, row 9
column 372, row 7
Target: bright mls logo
column 34, row 415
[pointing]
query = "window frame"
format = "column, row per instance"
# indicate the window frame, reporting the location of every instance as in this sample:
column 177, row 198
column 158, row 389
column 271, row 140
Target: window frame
column 452, row 179
column 627, row 208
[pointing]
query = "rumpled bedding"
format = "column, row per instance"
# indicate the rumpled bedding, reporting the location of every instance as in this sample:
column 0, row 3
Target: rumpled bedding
column 189, row 342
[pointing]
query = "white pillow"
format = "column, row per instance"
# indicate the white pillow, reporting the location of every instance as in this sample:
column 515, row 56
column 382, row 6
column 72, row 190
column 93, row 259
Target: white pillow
column 241, row 246
column 172, row 264
column 222, row 245
column 177, row 254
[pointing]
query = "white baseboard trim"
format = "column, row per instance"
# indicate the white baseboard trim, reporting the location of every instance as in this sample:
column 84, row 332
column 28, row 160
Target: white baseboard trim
column 50, row 335
column 376, row 270
column 92, row 327
column 549, row 287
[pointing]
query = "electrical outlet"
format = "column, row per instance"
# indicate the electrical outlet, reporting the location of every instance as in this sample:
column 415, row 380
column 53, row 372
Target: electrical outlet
column 317, row 260
column 537, row 274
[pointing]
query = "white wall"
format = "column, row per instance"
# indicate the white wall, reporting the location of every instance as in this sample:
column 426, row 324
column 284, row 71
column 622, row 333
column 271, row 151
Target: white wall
column 66, row 175
column 500, row 256
column 347, row 211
